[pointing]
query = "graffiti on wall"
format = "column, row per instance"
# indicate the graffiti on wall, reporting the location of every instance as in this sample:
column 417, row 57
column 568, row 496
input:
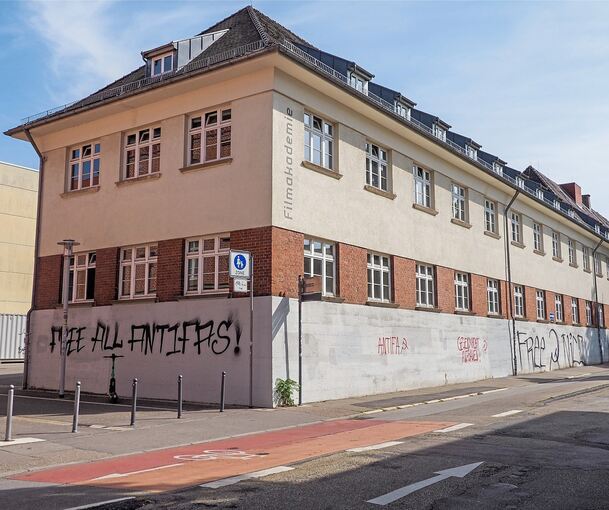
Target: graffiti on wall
column 388, row 345
column 548, row 351
column 471, row 348
column 186, row 337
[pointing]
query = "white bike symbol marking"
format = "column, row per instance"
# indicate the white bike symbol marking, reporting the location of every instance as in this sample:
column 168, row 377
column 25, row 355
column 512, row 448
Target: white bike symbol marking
column 219, row 454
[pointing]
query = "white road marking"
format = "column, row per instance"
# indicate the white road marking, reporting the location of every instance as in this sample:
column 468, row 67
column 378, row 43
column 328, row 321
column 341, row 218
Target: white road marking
column 458, row 472
column 493, row 391
column 94, row 505
column 236, row 479
column 378, row 446
column 21, row 440
column 121, row 475
column 578, row 375
column 458, row 426
column 507, row 413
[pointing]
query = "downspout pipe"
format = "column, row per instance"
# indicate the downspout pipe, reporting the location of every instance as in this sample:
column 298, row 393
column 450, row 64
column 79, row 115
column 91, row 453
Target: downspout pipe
column 510, row 292
column 28, row 334
column 598, row 322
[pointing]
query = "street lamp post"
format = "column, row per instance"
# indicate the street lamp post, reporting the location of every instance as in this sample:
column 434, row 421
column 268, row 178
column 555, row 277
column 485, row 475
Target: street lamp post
column 68, row 245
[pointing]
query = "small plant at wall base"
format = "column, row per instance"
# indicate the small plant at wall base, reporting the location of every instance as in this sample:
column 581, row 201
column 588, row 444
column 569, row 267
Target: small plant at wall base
column 283, row 392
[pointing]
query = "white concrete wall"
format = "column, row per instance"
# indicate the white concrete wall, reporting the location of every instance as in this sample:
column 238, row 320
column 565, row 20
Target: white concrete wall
column 351, row 350
column 156, row 368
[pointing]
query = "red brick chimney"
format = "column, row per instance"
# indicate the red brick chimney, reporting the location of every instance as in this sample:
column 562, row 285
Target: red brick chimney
column 574, row 191
column 586, row 201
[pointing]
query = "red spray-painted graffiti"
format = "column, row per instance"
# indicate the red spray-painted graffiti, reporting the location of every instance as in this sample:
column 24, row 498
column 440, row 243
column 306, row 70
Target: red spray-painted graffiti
column 471, row 348
column 391, row 345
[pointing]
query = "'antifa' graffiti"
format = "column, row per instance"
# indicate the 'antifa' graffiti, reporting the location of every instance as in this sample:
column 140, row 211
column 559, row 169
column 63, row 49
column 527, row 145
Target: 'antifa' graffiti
column 391, row 345
column 471, row 348
column 566, row 346
column 167, row 339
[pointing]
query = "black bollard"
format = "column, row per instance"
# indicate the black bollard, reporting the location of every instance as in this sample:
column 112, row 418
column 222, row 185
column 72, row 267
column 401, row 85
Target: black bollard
column 76, row 407
column 133, row 402
column 222, row 390
column 179, row 396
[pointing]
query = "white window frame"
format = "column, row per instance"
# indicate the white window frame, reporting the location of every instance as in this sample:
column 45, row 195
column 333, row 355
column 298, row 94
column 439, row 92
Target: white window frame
column 572, row 252
column 202, row 126
column 462, row 300
column 471, row 152
column 402, row 110
column 490, row 215
column 196, row 253
column 81, row 264
column 89, row 155
column 556, row 248
column 520, row 182
column 598, row 264
column 150, row 138
column 540, row 304
column 492, row 296
column 519, row 309
column 439, row 132
column 559, row 308
column 515, row 227
column 589, row 313
column 459, row 202
column 325, row 134
column 539, row 193
column 538, row 237
column 425, row 285
column 498, row 168
column 324, row 252
column 378, row 156
column 600, row 315
column 377, row 272
column 586, row 257
column 165, row 67
column 423, row 186
column 358, row 82
column 149, row 261
column 556, row 204
column 574, row 310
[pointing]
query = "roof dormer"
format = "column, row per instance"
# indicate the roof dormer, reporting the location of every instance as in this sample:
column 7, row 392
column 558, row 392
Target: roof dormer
column 439, row 129
column 471, row 149
column 359, row 78
column 403, row 106
column 160, row 60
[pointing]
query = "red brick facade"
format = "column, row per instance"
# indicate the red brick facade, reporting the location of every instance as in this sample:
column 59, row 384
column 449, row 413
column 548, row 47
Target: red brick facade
column 258, row 241
column 170, row 270
column 404, row 282
column 445, row 289
column 479, row 305
column 530, row 303
column 287, row 262
column 48, row 287
column 352, row 274
column 106, row 276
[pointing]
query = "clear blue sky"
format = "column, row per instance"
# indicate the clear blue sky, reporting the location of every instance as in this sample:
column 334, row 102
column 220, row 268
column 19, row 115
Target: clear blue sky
column 529, row 81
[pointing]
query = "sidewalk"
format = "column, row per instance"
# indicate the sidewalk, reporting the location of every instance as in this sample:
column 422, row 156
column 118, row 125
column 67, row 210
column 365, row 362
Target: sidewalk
column 104, row 428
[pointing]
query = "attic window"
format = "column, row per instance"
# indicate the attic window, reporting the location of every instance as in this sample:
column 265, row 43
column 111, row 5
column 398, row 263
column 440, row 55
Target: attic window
column 358, row 82
column 520, row 182
column 439, row 132
column 597, row 228
column 471, row 152
column 539, row 193
column 556, row 204
column 162, row 64
column 402, row 111
column 571, row 213
column 497, row 168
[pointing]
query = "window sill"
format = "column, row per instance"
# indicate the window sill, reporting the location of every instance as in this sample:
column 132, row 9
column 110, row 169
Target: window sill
column 425, row 209
column 464, row 312
column 538, row 252
column 521, row 319
column 76, row 192
column 77, row 304
column 141, row 178
column 382, row 304
column 427, row 309
column 145, row 299
column 557, row 259
column 495, row 316
column 492, row 234
column 587, row 271
column 599, row 275
column 380, row 192
column 542, row 321
column 322, row 170
column 517, row 244
column 208, row 164
column 576, row 324
column 573, row 265
column 208, row 295
column 461, row 223
column 333, row 299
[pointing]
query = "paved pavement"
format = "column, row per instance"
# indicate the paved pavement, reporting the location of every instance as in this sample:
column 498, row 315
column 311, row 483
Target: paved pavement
column 543, row 442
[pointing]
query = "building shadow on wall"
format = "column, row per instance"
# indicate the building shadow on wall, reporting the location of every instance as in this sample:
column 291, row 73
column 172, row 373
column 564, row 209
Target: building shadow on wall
column 279, row 321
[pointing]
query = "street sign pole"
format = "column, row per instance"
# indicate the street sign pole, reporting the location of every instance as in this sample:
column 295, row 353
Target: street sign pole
column 251, row 330
column 68, row 245
column 300, row 290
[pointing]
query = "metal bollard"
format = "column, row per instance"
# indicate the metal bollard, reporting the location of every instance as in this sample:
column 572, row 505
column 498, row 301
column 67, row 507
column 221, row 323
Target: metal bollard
column 133, row 402
column 9, row 413
column 179, row 396
column 222, row 390
column 76, row 407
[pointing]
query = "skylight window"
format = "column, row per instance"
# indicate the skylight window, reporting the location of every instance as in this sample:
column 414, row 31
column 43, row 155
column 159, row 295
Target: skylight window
column 162, row 64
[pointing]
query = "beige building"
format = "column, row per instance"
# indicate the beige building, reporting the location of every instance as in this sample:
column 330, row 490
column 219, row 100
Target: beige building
column 18, row 197
column 440, row 263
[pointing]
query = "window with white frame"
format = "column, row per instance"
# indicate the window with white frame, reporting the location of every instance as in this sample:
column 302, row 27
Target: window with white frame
column 358, row 82
column 586, row 258
column 209, row 136
column 459, row 202
column 319, row 141
column 81, row 281
column 556, row 251
column 520, row 182
column 207, row 264
column 498, row 168
column 515, row 227
column 84, row 166
column 379, row 276
column 376, row 166
column 471, row 152
column 462, row 291
column 556, row 204
column 492, row 293
column 439, row 132
column 402, row 110
column 422, row 186
column 600, row 315
column 540, row 300
column 597, row 228
column 319, row 261
column 142, row 152
column 539, row 193
column 138, row 271
column 425, row 287
column 538, row 237
column 490, row 216
column 572, row 253
column 575, row 310
column 518, row 301
column 161, row 64
column 571, row 213
column 588, row 313
column 558, row 307
column 598, row 264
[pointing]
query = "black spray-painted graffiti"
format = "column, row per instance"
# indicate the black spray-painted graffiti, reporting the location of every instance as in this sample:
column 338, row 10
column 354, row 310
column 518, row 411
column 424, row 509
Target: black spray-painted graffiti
column 567, row 345
column 153, row 338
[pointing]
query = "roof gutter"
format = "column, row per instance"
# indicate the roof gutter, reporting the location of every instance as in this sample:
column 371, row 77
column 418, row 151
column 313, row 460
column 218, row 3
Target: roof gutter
column 28, row 334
